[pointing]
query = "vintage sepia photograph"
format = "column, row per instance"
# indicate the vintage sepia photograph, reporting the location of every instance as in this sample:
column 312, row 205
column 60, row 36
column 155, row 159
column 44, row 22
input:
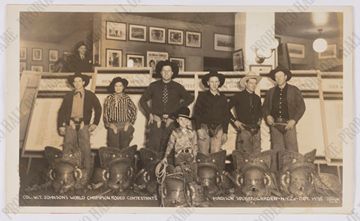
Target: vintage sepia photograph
column 195, row 107
column 115, row 30
column 175, row 37
column 157, row 35
column 193, row 39
column 113, row 57
column 137, row 33
column 136, row 61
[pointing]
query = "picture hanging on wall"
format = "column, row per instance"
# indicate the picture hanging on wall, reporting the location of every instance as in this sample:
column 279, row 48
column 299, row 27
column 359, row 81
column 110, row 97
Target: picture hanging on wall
column 37, row 68
column 330, row 52
column 137, row 33
column 136, row 61
column 193, row 39
column 23, row 53
column 157, row 35
column 22, row 66
column 238, row 60
column 53, row 55
column 113, row 58
column 175, row 37
column 223, row 42
column 180, row 62
column 115, row 30
column 36, row 54
column 153, row 57
column 296, row 50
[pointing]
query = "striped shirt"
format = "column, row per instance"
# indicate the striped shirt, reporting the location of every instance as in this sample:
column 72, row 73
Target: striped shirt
column 118, row 109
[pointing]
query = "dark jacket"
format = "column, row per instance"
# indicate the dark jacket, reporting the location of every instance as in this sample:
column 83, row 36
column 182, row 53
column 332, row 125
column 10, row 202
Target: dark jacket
column 295, row 101
column 210, row 109
column 76, row 64
column 90, row 102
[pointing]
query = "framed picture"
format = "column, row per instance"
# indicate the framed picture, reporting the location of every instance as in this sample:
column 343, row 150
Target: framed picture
column 175, row 37
column 260, row 68
column 193, row 39
column 51, row 67
column 37, row 68
column 53, row 55
column 153, row 57
column 223, row 42
column 113, row 57
column 180, row 62
column 157, row 35
column 36, row 54
column 137, row 33
column 330, row 52
column 115, row 30
column 133, row 60
column 238, row 60
column 22, row 66
column 296, row 50
column 23, row 53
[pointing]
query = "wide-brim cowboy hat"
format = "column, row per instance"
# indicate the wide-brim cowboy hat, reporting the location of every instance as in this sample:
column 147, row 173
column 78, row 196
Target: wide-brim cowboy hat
column 286, row 71
column 82, row 76
column 161, row 64
column 249, row 75
column 206, row 77
column 183, row 112
column 124, row 82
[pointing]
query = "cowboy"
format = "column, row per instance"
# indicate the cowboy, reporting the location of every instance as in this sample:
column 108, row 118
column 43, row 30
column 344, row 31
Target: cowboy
column 282, row 109
column 74, row 117
column 183, row 140
column 80, row 61
column 119, row 114
column 167, row 97
column 211, row 114
column 248, row 115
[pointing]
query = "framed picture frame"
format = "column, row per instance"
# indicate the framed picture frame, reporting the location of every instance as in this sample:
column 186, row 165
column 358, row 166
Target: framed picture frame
column 223, row 42
column 157, row 35
column 37, row 68
column 258, row 68
column 53, row 55
column 22, row 66
column 113, row 57
column 115, row 30
column 135, row 60
column 51, row 67
column 193, row 39
column 137, row 32
column 175, row 37
column 296, row 50
column 330, row 52
column 180, row 62
column 23, row 52
column 37, row 54
column 153, row 57
column 238, row 60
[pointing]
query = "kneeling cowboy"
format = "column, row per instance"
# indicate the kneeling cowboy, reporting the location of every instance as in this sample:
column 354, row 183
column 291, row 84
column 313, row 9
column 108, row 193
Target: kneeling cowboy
column 248, row 115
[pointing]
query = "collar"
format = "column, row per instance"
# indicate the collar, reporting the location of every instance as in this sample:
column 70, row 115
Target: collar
column 216, row 94
column 285, row 87
column 82, row 91
column 248, row 92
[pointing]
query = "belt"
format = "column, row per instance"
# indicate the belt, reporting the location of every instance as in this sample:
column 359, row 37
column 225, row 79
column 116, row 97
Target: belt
column 77, row 122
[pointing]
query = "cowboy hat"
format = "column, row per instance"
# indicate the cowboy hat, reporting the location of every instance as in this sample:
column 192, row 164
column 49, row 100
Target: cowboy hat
column 183, row 112
column 161, row 64
column 213, row 73
column 249, row 75
column 116, row 80
column 78, row 74
column 280, row 69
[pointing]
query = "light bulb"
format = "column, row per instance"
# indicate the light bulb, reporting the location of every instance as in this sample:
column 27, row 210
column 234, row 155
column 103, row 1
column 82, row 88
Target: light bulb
column 320, row 45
